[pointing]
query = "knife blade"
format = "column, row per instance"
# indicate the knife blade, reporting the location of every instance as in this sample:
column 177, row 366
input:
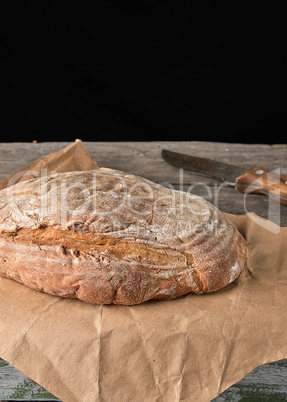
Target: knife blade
column 204, row 166
column 257, row 179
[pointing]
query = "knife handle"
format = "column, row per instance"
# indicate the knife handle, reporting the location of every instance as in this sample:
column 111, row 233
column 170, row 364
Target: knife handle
column 261, row 180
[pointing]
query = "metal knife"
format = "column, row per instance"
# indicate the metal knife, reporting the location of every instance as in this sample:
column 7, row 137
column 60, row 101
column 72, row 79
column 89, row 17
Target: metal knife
column 256, row 180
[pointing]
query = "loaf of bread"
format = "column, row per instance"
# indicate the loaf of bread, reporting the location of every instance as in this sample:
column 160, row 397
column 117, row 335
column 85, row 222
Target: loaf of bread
column 104, row 236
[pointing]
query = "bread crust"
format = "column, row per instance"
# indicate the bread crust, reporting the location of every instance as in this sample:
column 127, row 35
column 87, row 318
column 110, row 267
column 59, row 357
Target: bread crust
column 106, row 237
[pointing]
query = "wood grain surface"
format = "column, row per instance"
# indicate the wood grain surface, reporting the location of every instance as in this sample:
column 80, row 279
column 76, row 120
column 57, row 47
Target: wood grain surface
column 268, row 382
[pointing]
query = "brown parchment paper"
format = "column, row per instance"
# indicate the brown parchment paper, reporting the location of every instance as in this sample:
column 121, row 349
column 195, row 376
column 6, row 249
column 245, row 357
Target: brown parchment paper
column 188, row 349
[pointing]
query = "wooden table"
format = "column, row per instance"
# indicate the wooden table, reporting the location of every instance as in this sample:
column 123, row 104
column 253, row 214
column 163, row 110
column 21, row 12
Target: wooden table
column 144, row 159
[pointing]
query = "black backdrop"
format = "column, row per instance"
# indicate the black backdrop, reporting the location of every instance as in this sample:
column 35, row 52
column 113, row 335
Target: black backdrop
column 149, row 70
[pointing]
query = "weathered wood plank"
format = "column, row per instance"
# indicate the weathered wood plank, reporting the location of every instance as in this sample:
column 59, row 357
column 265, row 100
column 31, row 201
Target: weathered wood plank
column 266, row 382
column 16, row 385
column 144, row 158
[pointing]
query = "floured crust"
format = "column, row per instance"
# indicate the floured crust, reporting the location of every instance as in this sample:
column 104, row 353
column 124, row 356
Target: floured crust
column 107, row 237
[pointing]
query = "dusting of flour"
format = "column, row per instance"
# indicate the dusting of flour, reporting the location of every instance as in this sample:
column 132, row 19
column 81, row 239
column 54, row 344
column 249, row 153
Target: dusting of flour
column 234, row 272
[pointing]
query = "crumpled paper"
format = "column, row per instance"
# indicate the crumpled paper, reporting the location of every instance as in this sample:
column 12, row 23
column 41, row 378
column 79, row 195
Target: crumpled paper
column 190, row 348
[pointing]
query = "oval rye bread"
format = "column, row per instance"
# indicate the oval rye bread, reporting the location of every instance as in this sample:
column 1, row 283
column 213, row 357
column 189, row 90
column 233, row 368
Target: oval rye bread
column 104, row 236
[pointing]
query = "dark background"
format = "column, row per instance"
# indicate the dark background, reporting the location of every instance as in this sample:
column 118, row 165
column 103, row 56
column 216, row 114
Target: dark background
column 147, row 70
